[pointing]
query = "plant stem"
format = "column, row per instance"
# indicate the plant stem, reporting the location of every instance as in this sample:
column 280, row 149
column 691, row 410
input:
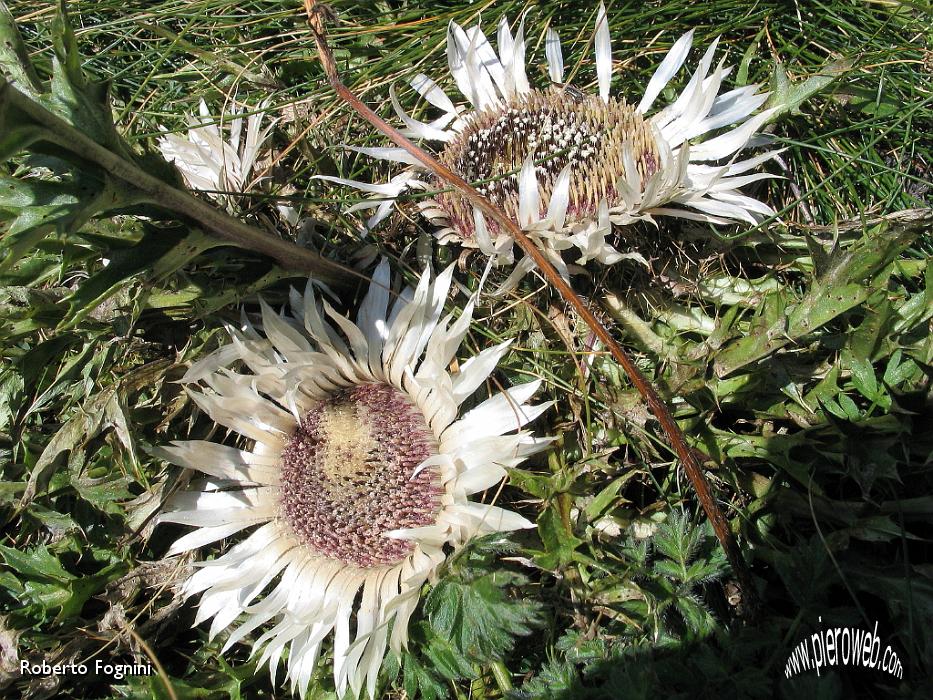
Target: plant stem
column 161, row 194
column 317, row 14
column 502, row 676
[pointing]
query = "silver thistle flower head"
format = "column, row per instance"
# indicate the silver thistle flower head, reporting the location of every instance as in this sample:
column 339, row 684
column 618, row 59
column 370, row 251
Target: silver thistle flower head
column 358, row 475
column 568, row 165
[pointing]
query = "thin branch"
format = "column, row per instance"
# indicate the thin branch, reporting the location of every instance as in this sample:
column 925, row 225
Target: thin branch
column 160, row 193
column 318, row 14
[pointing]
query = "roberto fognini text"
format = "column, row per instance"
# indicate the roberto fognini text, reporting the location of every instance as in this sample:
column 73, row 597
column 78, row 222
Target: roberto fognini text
column 98, row 668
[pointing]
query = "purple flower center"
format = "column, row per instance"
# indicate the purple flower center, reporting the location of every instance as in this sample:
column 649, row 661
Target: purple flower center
column 347, row 476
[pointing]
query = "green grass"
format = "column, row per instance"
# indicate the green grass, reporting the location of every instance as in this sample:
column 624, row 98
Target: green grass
column 796, row 354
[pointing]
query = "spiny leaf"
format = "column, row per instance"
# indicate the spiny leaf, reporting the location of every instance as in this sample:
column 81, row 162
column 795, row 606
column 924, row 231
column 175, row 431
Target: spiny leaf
column 788, row 97
column 560, row 544
column 170, row 249
column 853, row 275
column 14, row 56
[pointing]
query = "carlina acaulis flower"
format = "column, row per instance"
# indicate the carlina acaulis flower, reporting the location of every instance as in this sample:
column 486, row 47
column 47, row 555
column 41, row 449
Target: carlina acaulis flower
column 568, row 165
column 356, row 478
column 561, row 132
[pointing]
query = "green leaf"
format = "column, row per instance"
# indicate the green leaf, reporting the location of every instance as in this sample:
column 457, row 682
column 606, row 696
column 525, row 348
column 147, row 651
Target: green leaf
column 107, row 493
column 446, row 660
column 607, row 496
column 47, row 583
column 849, row 407
column 850, row 279
column 37, row 563
column 878, row 528
column 472, row 618
column 741, row 76
column 863, row 378
column 14, row 56
column 32, row 208
column 560, row 544
column 477, row 619
column 420, row 682
column 869, row 340
column 538, row 485
column 557, row 679
column 56, row 523
column 893, row 587
column 83, row 426
column 897, row 371
column 788, row 97
column 159, row 253
column 11, row 387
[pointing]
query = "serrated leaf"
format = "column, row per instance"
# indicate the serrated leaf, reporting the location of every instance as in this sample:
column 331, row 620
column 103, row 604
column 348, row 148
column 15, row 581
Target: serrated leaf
column 36, row 563
column 863, row 377
column 477, row 618
column 69, row 369
column 33, row 208
column 158, row 254
column 56, row 523
column 82, row 103
column 850, row 279
column 557, row 679
column 446, row 660
column 671, row 569
column 538, row 485
column 868, row 340
column 419, row 682
column 788, row 97
column 106, row 494
column 83, row 426
column 11, row 387
column 559, row 544
column 606, row 496
column 14, row 56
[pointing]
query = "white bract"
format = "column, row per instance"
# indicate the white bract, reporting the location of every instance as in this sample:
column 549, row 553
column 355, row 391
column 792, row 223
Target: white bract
column 359, row 474
column 566, row 165
column 210, row 164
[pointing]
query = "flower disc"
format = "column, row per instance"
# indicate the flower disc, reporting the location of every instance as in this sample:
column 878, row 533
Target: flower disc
column 347, row 476
column 556, row 128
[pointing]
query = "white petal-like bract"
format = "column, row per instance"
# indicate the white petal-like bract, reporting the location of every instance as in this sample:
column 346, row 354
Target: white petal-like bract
column 211, row 164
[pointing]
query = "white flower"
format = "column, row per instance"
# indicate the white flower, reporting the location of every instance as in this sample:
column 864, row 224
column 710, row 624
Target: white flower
column 210, row 164
column 566, row 165
column 359, row 475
